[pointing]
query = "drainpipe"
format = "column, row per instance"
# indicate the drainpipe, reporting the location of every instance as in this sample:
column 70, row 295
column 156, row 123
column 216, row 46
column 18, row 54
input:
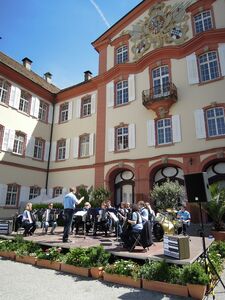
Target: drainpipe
column 50, row 147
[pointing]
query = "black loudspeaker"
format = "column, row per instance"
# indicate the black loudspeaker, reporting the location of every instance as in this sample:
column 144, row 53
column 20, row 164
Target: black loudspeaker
column 197, row 187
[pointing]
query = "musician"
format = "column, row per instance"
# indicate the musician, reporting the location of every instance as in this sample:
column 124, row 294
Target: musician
column 122, row 212
column 143, row 211
column 49, row 218
column 135, row 225
column 185, row 217
column 79, row 221
column 102, row 220
column 28, row 220
column 151, row 213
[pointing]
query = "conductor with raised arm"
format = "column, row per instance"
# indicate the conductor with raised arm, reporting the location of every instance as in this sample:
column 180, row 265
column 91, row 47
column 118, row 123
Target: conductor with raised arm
column 70, row 200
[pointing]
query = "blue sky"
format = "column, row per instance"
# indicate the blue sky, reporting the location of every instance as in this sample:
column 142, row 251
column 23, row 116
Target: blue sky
column 57, row 34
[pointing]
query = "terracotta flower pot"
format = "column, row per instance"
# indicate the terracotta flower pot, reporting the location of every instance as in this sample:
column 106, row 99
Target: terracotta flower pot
column 75, row 270
column 121, row 279
column 96, row 272
column 196, row 291
column 8, row 254
column 48, row 264
column 165, row 287
column 218, row 235
column 26, row 259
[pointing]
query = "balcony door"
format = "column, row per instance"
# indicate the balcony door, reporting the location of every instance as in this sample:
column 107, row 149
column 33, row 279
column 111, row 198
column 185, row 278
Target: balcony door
column 160, row 77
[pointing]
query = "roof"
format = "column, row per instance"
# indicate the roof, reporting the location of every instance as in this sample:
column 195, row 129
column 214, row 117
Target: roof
column 11, row 63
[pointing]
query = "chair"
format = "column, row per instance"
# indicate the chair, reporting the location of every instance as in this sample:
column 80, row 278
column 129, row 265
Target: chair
column 143, row 238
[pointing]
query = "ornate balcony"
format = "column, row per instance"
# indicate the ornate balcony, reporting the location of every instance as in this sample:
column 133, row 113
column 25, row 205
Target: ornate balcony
column 160, row 98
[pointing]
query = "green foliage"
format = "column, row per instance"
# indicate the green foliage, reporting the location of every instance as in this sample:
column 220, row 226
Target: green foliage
column 219, row 247
column 98, row 195
column 28, row 248
column 86, row 193
column 216, row 206
column 124, row 267
column 175, row 274
column 195, row 274
column 53, row 254
column 167, row 195
column 156, row 270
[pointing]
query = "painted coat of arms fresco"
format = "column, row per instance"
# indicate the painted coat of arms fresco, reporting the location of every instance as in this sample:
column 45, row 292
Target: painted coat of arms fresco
column 164, row 24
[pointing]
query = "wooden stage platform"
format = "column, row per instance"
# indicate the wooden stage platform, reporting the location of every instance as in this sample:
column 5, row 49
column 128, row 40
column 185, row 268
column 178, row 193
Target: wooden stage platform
column 111, row 244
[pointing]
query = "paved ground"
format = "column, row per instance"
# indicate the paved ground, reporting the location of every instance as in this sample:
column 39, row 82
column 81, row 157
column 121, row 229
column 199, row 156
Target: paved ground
column 25, row 282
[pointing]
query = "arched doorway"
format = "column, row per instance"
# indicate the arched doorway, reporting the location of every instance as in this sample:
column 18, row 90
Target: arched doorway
column 124, row 187
column 172, row 173
column 216, row 173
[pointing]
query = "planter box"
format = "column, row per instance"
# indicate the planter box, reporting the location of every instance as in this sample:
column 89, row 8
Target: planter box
column 219, row 235
column 75, row 270
column 8, row 254
column 26, row 259
column 121, row 279
column 48, row 264
column 164, row 287
column 96, row 272
column 196, row 291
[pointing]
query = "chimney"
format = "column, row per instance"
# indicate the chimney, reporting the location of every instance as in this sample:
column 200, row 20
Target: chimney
column 87, row 75
column 27, row 63
column 48, row 77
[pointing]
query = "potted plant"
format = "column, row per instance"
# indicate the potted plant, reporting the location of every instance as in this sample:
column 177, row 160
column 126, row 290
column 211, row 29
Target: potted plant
column 161, row 277
column 194, row 275
column 216, row 210
column 7, row 249
column 26, row 252
column 124, row 272
column 50, row 258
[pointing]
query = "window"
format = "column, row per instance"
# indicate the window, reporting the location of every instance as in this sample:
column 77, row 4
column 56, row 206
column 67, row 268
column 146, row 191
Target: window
column 4, row 91
column 19, row 143
column 57, row 191
column 84, row 145
column 43, row 111
column 24, row 104
column 122, row 55
column 203, row 21
column 64, row 110
column 160, row 77
column 38, row 148
column 122, row 92
column 164, row 131
column 215, row 121
column 12, row 194
column 1, row 135
column 86, row 107
column 61, row 149
column 209, row 66
column 34, row 192
column 121, row 138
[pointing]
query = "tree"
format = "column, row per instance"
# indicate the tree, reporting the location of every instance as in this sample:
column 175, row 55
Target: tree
column 98, row 195
column 167, row 195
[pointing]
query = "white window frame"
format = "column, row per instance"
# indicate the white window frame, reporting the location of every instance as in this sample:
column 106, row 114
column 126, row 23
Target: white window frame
column 122, row 54
column 18, row 145
column 61, row 150
column 122, row 92
column 86, row 107
column 210, row 65
column 122, row 138
column 24, row 104
column 4, row 90
column 84, row 145
column 35, row 191
column 202, row 21
column 38, row 149
column 161, row 130
column 12, row 195
column 57, row 191
column 64, row 112
column 216, row 118
column 161, row 81
column 43, row 111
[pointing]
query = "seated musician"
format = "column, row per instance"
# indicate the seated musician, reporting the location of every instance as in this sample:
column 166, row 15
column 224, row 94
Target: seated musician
column 122, row 212
column 49, row 218
column 102, row 221
column 185, row 217
column 86, row 223
column 134, row 225
column 28, row 220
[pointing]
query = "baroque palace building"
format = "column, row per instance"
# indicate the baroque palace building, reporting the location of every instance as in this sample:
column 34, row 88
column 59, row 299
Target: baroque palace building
column 156, row 110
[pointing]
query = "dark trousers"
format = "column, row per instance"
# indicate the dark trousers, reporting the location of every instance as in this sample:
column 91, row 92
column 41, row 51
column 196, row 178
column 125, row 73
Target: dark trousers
column 29, row 228
column 68, row 218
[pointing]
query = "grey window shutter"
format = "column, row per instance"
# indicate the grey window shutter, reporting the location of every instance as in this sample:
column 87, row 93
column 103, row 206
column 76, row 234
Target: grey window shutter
column 36, row 107
column 91, row 144
column 176, row 129
column 221, row 50
column 53, row 151
column 47, row 145
column 111, row 139
column 50, row 193
column 11, row 140
column 56, row 115
column 12, row 95
column 67, row 155
column 131, row 136
column 5, row 139
column 110, row 94
column 78, row 108
column 93, row 103
column 151, row 133
column 24, row 193
column 17, row 98
column 30, row 146
column 3, row 193
column 200, row 124
column 131, row 87
column 50, row 113
column 32, row 106
column 76, row 147
column 70, row 110
column 192, row 69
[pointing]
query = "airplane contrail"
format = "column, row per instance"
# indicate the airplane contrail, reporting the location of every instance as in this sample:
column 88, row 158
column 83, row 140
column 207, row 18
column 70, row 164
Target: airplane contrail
column 100, row 13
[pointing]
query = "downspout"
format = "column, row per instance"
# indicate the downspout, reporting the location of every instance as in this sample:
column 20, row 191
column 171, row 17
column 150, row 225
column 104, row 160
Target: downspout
column 50, row 147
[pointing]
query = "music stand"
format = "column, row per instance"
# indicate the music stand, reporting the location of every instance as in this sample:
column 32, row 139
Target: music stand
column 82, row 214
column 116, row 220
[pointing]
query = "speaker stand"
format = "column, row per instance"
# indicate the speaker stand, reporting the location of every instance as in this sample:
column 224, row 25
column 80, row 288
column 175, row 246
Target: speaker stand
column 205, row 255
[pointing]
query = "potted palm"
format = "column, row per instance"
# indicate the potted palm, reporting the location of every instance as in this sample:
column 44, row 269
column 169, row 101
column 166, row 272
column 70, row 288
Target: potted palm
column 124, row 272
column 216, row 210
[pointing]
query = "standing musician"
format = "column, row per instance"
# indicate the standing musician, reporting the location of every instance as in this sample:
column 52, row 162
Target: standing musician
column 151, row 213
column 143, row 211
column 122, row 212
column 49, row 218
column 28, row 220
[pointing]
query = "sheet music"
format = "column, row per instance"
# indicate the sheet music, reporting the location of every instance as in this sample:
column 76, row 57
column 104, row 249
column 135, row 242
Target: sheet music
column 81, row 213
column 113, row 216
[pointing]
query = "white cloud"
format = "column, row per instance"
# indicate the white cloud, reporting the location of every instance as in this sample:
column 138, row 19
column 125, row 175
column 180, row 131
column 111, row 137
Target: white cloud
column 100, row 13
